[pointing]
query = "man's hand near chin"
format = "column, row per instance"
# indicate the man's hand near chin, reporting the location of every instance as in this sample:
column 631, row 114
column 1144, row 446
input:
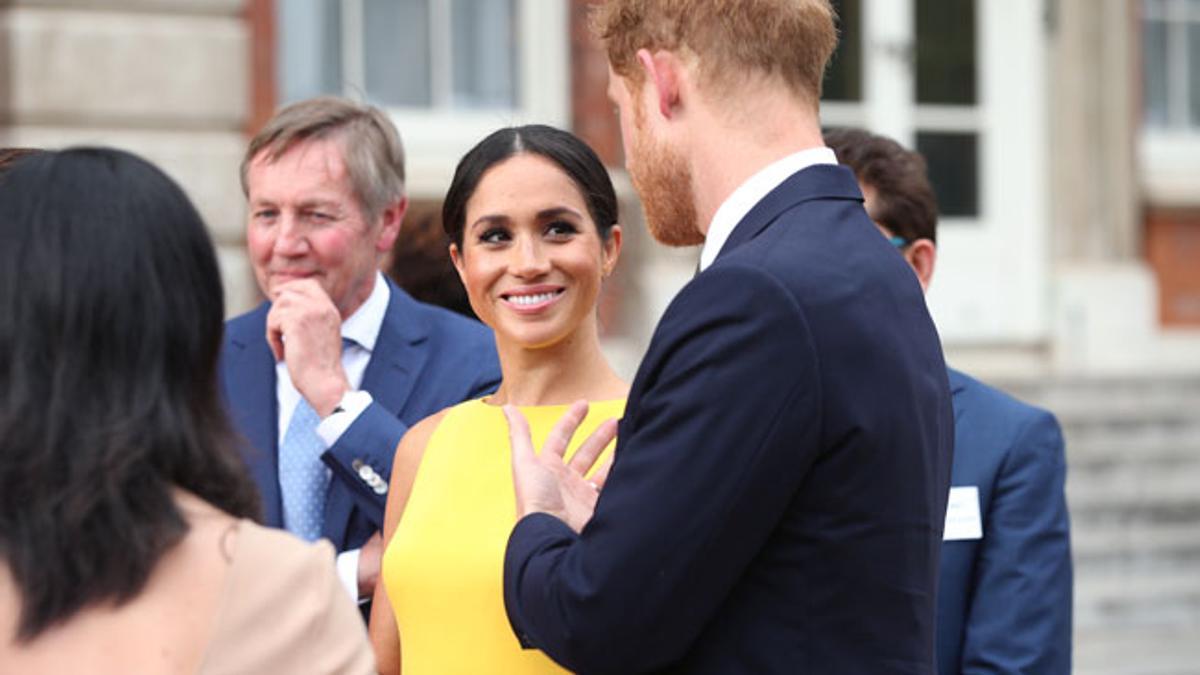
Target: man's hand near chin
column 304, row 329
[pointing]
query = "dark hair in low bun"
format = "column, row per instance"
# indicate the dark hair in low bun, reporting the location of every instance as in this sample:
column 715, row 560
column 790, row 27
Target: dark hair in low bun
column 563, row 148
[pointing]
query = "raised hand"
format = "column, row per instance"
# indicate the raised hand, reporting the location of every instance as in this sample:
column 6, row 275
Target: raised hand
column 304, row 329
column 545, row 482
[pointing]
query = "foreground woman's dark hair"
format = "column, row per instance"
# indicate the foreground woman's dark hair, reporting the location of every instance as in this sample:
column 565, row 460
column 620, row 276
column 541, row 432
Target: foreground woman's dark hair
column 110, row 324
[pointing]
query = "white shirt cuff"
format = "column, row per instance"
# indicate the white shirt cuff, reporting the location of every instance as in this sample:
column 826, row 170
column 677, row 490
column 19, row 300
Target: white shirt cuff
column 347, row 571
column 352, row 405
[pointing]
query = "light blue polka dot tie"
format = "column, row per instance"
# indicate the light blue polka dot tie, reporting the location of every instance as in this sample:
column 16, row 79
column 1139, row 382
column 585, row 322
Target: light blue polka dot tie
column 303, row 479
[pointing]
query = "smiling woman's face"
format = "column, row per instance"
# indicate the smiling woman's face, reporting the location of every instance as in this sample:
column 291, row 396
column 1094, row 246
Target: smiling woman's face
column 532, row 259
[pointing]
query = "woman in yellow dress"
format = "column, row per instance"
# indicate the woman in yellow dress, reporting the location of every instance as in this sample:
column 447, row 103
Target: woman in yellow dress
column 531, row 215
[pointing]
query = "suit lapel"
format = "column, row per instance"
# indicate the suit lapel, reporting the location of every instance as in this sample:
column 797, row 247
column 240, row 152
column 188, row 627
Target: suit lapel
column 820, row 181
column 390, row 377
column 399, row 356
column 250, row 390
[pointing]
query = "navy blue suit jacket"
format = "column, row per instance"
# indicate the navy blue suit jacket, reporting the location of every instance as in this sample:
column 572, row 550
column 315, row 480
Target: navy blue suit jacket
column 1004, row 603
column 779, row 489
column 426, row 358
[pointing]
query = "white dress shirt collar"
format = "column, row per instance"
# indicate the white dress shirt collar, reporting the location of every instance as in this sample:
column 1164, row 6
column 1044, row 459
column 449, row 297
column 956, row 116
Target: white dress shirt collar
column 363, row 325
column 363, row 329
column 752, row 191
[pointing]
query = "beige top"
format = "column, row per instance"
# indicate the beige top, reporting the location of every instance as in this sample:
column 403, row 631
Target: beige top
column 230, row 597
column 285, row 611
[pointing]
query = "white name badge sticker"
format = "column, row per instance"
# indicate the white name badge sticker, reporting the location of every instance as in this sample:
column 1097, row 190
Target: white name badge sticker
column 962, row 515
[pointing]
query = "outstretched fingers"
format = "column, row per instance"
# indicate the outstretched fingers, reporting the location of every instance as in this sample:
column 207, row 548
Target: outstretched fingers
column 518, row 434
column 601, row 475
column 564, row 429
column 590, row 450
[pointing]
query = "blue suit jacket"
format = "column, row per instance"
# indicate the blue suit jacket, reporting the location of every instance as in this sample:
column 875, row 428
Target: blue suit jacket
column 426, row 358
column 779, row 489
column 1004, row 603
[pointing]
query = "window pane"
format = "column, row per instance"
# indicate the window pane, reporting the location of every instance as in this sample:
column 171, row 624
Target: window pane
column 309, row 48
column 1193, row 76
column 946, row 51
column 1154, row 63
column 396, row 57
column 953, row 162
column 484, row 54
column 843, row 78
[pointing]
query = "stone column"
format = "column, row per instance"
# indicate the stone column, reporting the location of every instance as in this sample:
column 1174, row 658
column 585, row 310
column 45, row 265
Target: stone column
column 166, row 79
column 1094, row 101
column 1105, row 296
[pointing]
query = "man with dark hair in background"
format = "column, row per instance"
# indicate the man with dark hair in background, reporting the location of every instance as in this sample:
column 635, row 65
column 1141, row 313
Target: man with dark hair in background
column 325, row 377
column 1004, row 600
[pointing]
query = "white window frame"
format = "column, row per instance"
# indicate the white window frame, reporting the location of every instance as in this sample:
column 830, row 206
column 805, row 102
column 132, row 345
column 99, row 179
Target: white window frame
column 435, row 138
column 992, row 282
column 1170, row 156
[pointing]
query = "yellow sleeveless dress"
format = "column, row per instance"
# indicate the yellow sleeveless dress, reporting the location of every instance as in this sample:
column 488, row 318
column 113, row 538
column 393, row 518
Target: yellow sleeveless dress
column 444, row 567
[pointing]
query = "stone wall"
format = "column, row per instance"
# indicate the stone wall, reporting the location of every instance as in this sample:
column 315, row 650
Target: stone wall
column 166, row 79
column 1106, row 296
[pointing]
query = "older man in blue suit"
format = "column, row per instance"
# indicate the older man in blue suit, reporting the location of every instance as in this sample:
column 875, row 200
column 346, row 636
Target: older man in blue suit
column 325, row 377
column 1004, row 603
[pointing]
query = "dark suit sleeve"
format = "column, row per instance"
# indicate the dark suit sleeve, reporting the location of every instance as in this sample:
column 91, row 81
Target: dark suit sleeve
column 1020, row 617
column 720, row 430
column 371, row 439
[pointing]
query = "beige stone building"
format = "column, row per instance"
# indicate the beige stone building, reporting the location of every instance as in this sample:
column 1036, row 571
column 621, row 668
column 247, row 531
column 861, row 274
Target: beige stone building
column 1063, row 137
column 1068, row 215
column 167, row 79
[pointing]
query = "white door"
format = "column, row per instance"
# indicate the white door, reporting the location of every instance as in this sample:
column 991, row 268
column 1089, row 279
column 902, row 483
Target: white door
column 963, row 82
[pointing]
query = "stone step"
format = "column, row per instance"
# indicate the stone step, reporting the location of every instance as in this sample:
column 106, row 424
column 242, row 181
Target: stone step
column 1159, row 446
column 1091, row 463
column 1117, row 411
column 1132, row 598
column 1102, row 390
column 1135, row 485
column 1145, row 650
column 1123, row 408
column 1133, row 435
column 1111, row 486
column 1144, row 547
column 1117, row 405
column 1095, row 511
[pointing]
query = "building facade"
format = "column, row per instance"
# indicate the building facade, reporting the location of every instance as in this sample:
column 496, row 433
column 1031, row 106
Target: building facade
column 1063, row 139
column 1062, row 136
